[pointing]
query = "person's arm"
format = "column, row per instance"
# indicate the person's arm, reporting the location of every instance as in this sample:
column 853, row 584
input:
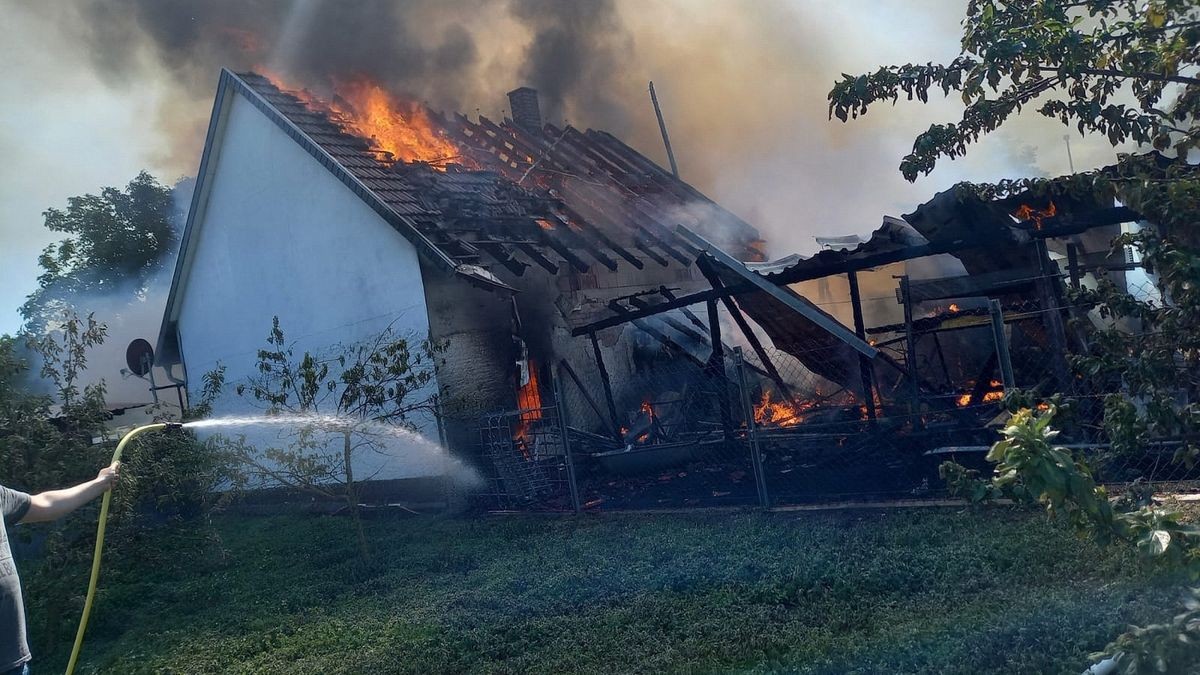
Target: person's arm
column 54, row 504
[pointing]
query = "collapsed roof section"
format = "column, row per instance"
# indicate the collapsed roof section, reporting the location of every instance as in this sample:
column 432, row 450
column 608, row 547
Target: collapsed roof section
column 991, row 238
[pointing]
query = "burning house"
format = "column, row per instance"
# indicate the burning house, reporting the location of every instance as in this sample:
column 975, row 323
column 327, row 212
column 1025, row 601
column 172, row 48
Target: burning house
column 590, row 299
column 496, row 237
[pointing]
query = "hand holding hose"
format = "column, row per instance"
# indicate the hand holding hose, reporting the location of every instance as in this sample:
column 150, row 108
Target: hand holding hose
column 108, row 475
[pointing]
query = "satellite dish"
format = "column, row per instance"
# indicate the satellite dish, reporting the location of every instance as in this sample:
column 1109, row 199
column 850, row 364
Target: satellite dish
column 139, row 356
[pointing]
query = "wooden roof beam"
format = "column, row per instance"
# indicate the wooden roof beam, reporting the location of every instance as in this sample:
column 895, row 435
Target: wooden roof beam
column 644, row 247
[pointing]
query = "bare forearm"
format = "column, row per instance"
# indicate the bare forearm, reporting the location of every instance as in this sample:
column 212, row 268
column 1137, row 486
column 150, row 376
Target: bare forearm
column 54, row 504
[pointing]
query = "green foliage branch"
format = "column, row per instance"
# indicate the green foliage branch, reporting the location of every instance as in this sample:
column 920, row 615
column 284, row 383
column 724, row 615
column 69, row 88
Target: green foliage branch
column 1086, row 57
column 347, row 393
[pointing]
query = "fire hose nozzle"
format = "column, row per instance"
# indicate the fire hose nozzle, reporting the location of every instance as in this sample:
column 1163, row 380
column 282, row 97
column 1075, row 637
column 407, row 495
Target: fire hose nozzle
column 174, row 425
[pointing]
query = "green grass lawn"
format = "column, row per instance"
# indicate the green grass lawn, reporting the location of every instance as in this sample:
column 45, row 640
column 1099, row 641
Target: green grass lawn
column 917, row 590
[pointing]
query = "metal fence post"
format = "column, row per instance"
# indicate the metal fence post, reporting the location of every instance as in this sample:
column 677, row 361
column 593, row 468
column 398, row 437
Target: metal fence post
column 564, row 434
column 1006, row 369
column 760, row 478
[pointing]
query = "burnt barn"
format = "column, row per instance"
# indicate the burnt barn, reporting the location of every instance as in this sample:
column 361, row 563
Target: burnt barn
column 612, row 336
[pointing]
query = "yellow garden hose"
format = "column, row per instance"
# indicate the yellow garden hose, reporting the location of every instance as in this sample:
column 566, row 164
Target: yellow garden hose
column 91, row 592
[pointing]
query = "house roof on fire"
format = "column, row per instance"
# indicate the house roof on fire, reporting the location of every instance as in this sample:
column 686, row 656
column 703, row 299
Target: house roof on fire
column 513, row 199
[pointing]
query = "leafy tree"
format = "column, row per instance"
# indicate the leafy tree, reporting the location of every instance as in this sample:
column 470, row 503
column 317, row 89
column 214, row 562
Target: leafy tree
column 118, row 239
column 346, row 401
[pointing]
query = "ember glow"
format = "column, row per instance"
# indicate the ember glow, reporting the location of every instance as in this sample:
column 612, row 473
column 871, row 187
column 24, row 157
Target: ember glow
column 995, row 393
column 782, row 413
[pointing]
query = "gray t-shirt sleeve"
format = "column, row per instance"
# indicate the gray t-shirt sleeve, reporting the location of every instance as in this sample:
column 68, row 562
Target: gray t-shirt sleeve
column 13, row 504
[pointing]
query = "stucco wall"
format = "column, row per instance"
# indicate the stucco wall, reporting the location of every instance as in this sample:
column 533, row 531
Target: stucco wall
column 279, row 235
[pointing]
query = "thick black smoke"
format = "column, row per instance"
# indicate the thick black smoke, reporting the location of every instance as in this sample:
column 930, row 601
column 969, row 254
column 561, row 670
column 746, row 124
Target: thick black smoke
column 576, row 49
column 429, row 49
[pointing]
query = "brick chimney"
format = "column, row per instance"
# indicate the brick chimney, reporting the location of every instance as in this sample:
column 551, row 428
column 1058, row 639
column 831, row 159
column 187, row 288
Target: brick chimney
column 525, row 111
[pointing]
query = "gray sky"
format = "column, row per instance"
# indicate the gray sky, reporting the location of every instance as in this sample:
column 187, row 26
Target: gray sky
column 743, row 85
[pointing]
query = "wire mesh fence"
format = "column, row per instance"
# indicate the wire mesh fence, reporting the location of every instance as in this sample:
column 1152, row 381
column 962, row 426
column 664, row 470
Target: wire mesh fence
column 811, row 422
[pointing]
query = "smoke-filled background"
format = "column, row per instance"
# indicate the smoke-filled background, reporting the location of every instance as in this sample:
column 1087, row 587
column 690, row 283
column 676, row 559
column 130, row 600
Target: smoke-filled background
column 96, row 90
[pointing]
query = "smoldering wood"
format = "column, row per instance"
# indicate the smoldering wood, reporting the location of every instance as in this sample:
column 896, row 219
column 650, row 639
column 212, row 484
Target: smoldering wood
column 537, row 256
column 600, row 236
column 670, row 250
column 564, row 251
column 983, row 380
column 644, row 247
column 671, row 345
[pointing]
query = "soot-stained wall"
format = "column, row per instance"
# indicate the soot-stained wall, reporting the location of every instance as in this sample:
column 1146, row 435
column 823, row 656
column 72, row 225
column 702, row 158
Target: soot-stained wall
column 477, row 366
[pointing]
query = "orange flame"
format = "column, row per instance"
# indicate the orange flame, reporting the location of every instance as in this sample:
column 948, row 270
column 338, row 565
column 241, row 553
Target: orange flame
column 953, row 307
column 995, row 393
column 403, row 129
column 781, row 414
column 529, row 402
column 1026, row 212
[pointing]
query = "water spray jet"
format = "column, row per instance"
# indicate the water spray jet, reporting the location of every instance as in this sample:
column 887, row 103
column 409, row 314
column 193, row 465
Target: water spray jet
column 330, row 423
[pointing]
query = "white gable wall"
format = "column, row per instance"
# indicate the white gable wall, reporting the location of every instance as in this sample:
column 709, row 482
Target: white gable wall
column 279, row 235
